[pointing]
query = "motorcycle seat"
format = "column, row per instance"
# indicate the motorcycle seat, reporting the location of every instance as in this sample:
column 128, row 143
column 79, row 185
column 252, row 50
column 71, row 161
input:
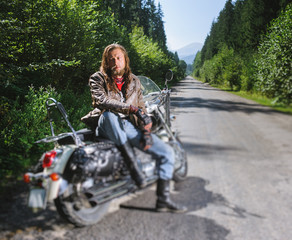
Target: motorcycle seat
column 84, row 134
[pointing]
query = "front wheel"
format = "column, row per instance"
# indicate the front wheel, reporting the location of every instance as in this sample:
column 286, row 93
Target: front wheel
column 181, row 162
column 80, row 217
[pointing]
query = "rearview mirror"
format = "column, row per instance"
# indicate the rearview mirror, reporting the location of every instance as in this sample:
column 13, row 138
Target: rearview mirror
column 168, row 75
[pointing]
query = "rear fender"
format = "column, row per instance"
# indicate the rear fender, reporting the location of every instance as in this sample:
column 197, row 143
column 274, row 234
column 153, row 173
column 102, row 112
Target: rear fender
column 60, row 165
column 55, row 188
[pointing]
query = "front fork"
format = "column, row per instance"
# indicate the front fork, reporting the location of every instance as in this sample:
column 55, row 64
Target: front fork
column 166, row 126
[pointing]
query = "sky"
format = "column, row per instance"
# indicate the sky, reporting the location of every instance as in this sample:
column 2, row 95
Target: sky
column 188, row 21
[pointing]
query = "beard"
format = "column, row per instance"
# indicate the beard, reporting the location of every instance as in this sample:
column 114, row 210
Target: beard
column 116, row 72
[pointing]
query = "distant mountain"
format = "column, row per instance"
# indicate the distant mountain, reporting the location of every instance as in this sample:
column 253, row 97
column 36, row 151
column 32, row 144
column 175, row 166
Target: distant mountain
column 189, row 52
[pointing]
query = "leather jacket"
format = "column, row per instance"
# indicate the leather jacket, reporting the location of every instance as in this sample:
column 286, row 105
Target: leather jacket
column 106, row 96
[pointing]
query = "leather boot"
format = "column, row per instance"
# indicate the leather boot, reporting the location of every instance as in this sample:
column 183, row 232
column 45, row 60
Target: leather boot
column 130, row 160
column 164, row 203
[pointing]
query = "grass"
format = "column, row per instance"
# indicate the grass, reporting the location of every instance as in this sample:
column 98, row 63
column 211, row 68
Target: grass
column 259, row 98
column 264, row 101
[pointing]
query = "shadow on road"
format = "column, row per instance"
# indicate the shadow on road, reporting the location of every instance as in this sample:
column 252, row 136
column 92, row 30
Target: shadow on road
column 215, row 104
column 15, row 216
column 138, row 215
column 136, row 219
column 193, row 85
column 220, row 105
column 207, row 149
column 193, row 194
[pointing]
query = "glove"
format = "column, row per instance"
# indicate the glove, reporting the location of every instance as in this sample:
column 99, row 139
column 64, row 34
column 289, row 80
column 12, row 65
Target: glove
column 147, row 122
column 146, row 140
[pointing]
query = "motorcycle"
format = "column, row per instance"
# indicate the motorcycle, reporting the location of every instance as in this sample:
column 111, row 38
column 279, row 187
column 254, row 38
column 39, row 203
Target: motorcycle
column 85, row 172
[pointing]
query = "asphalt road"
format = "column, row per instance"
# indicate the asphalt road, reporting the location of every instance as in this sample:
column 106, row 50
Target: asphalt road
column 238, row 186
column 243, row 153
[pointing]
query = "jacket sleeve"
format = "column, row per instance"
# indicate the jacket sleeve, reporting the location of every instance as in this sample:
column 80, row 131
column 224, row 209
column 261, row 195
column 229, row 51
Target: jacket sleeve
column 100, row 98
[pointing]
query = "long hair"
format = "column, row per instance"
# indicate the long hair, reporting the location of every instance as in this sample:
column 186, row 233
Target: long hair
column 105, row 68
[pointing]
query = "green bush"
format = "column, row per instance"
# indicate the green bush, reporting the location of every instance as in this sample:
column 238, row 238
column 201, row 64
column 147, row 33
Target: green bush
column 273, row 65
column 197, row 64
column 223, row 69
column 232, row 70
column 247, row 73
column 26, row 122
column 146, row 56
column 206, row 72
column 60, row 43
column 76, row 106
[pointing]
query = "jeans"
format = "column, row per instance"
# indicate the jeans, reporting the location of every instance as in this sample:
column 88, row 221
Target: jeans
column 119, row 130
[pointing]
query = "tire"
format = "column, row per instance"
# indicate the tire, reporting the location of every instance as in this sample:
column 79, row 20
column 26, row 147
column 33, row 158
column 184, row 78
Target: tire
column 181, row 162
column 180, row 174
column 83, row 217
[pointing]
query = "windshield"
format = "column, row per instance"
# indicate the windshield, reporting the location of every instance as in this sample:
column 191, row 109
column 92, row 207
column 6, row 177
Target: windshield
column 148, row 86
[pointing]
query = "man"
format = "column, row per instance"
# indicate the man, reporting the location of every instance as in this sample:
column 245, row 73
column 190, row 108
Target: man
column 117, row 93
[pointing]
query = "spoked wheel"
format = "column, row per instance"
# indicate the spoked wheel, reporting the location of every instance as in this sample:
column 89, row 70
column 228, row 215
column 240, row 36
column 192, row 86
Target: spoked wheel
column 181, row 163
column 80, row 214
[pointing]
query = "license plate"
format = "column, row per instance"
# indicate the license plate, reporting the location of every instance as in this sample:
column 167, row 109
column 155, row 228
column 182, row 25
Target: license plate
column 37, row 198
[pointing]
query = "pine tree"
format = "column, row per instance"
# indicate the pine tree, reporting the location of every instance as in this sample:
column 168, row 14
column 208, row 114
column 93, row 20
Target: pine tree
column 159, row 32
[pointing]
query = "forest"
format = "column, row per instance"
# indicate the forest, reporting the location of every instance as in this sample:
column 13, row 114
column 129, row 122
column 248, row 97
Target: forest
column 249, row 48
column 49, row 48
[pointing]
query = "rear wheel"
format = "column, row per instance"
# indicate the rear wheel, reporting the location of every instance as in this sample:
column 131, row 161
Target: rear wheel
column 74, row 212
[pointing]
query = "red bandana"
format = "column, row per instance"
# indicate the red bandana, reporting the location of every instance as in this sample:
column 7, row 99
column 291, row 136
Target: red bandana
column 120, row 82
